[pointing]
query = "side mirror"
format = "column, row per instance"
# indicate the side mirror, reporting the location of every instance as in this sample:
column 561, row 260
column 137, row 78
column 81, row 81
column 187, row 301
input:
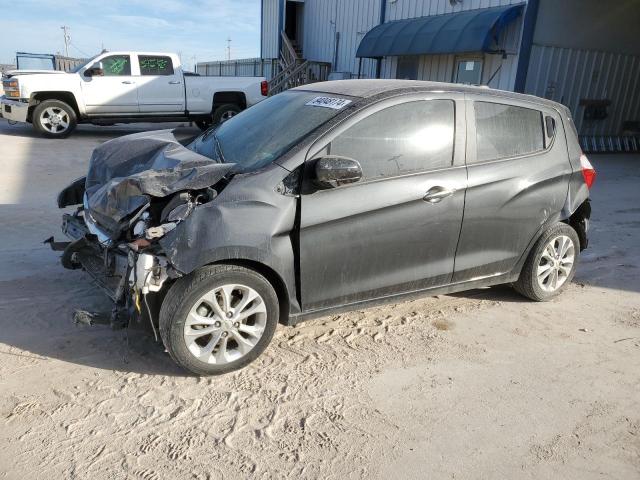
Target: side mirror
column 95, row 70
column 333, row 171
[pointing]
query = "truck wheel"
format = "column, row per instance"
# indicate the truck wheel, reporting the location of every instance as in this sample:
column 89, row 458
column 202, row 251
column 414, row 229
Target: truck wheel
column 225, row 112
column 551, row 264
column 54, row 119
column 218, row 319
column 203, row 124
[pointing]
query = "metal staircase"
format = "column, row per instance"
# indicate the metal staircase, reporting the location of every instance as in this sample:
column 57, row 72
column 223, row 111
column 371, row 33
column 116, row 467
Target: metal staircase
column 295, row 70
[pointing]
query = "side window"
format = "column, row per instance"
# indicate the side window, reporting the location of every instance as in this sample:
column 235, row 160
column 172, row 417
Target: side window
column 507, row 131
column 116, row 65
column 406, row 138
column 155, row 65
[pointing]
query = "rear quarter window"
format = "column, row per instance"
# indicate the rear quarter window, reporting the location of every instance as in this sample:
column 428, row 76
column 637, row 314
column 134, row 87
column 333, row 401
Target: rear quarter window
column 504, row 131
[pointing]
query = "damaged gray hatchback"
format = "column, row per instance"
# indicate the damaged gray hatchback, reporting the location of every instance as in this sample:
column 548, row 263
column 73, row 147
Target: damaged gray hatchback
column 325, row 198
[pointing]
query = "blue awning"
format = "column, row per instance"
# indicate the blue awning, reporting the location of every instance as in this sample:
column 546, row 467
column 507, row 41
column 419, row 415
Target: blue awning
column 468, row 31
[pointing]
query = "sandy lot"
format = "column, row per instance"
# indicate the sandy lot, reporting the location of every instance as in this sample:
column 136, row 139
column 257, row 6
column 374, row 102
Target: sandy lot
column 476, row 385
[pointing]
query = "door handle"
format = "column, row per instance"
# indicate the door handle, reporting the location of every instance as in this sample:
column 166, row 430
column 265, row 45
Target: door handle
column 436, row 194
column 174, row 82
column 128, row 82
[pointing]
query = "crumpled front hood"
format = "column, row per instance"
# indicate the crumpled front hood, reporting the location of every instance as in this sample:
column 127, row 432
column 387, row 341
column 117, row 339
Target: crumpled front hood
column 126, row 172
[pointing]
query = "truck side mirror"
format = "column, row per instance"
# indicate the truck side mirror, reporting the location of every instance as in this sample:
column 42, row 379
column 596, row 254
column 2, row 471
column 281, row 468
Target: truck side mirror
column 333, row 170
column 95, row 70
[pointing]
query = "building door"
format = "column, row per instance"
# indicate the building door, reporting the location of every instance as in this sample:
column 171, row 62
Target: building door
column 294, row 21
column 468, row 70
column 407, row 67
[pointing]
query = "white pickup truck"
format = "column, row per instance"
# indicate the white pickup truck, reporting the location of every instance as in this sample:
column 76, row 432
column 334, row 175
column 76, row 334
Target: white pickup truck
column 124, row 87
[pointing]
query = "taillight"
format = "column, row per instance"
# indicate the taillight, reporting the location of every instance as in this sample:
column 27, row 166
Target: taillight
column 588, row 172
column 264, row 88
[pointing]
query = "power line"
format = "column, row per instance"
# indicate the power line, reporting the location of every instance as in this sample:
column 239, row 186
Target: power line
column 83, row 53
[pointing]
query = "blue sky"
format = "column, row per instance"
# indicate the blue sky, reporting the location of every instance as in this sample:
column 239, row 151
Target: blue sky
column 191, row 27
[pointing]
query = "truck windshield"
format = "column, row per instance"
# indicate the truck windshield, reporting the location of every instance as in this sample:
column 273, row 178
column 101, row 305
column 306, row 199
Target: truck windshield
column 86, row 63
column 262, row 133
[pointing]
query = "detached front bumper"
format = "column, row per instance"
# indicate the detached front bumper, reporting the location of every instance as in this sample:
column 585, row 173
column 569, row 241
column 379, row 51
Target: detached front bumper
column 13, row 110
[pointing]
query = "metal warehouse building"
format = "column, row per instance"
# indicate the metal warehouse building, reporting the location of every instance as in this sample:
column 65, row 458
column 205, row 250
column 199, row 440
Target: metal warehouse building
column 582, row 53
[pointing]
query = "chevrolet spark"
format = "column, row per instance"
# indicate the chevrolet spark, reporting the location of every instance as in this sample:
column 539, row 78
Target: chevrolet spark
column 328, row 197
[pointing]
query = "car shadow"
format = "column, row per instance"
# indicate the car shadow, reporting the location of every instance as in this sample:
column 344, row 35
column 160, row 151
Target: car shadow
column 36, row 323
column 498, row 293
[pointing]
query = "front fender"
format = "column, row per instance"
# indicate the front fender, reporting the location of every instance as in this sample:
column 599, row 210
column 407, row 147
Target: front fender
column 238, row 229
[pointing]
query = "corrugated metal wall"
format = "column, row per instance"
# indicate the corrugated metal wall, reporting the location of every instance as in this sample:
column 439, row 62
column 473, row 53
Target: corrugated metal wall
column 270, row 24
column 352, row 19
column 567, row 75
column 421, row 8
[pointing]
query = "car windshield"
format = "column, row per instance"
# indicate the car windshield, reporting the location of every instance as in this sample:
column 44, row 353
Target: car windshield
column 264, row 132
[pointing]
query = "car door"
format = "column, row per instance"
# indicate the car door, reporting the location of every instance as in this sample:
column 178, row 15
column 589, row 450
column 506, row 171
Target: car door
column 114, row 92
column 160, row 88
column 396, row 229
column 518, row 179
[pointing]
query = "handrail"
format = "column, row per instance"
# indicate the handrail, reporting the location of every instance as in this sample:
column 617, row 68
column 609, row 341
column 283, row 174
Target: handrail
column 305, row 72
column 288, row 53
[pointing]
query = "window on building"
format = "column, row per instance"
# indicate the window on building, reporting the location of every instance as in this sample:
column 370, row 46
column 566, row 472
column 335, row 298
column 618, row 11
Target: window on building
column 116, row 65
column 155, row 65
column 406, row 138
column 468, row 71
column 507, row 131
column 407, row 68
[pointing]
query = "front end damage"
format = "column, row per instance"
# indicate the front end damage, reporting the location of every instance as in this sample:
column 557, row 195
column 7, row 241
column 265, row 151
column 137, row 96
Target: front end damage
column 125, row 207
column 125, row 271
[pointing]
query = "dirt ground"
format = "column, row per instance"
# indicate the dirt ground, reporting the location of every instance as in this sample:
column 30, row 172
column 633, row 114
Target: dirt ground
column 476, row 385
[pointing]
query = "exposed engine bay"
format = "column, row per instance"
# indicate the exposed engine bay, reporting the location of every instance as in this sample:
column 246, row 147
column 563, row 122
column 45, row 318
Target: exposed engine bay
column 137, row 190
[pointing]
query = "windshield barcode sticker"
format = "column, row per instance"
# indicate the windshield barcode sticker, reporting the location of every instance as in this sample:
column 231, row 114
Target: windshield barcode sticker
column 329, row 102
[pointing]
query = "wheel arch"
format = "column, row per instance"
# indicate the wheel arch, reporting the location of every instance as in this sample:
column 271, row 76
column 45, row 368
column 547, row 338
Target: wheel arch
column 579, row 221
column 272, row 277
column 63, row 96
column 235, row 97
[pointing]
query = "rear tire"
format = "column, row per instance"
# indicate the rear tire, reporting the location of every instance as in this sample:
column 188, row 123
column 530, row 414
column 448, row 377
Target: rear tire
column 202, row 324
column 225, row 112
column 203, row 124
column 551, row 264
column 54, row 119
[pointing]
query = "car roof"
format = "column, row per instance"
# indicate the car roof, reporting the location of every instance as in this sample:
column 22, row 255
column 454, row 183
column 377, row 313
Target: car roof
column 368, row 88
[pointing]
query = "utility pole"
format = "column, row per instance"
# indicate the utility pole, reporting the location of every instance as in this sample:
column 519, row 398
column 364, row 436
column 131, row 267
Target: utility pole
column 229, row 48
column 67, row 39
column 195, row 64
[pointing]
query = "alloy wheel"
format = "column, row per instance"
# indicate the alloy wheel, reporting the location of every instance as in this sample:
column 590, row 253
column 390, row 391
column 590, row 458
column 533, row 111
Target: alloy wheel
column 54, row 120
column 227, row 115
column 225, row 324
column 555, row 263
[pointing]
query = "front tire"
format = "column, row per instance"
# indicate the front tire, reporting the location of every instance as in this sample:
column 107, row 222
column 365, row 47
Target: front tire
column 218, row 319
column 54, row 119
column 551, row 264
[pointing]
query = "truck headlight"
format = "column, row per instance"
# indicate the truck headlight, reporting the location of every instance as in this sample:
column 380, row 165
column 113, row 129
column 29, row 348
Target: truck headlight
column 13, row 94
